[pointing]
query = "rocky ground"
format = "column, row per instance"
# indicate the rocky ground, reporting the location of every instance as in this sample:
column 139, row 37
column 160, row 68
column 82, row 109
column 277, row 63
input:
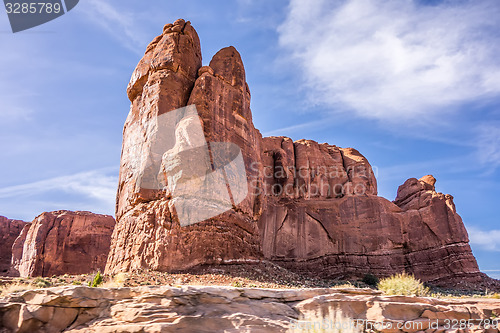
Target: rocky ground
column 261, row 275
column 258, row 275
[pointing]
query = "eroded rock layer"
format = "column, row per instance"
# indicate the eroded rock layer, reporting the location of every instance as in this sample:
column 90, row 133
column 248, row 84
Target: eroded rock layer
column 9, row 230
column 226, row 309
column 311, row 207
column 62, row 242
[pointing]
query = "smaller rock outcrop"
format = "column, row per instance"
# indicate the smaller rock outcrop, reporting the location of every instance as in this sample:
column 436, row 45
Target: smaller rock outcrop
column 62, row 242
column 9, row 230
column 435, row 237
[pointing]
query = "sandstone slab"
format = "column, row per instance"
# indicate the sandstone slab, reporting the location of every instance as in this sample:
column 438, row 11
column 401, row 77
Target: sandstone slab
column 227, row 309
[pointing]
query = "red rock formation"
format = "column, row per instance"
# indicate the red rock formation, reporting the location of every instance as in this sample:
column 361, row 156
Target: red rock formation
column 350, row 236
column 62, row 242
column 311, row 207
column 169, row 77
column 435, row 236
column 305, row 169
column 9, row 230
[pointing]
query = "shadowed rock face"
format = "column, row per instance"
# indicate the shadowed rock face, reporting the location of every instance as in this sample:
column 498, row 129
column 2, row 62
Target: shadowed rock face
column 9, row 230
column 62, row 242
column 311, row 207
column 419, row 233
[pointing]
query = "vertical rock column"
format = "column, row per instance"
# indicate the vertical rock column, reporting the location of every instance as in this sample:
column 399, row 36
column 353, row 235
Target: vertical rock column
column 149, row 234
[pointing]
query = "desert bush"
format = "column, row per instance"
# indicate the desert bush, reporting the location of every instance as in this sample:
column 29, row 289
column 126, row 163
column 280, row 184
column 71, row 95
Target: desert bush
column 117, row 281
column 14, row 288
column 493, row 295
column 403, row 284
column 96, row 281
column 41, row 283
column 237, row 284
column 342, row 285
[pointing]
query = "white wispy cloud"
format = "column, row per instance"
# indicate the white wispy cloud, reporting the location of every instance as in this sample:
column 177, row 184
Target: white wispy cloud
column 484, row 239
column 283, row 131
column 13, row 110
column 95, row 183
column 488, row 145
column 393, row 59
column 93, row 190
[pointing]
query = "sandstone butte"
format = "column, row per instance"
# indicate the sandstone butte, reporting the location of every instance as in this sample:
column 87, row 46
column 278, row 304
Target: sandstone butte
column 61, row 242
column 329, row 222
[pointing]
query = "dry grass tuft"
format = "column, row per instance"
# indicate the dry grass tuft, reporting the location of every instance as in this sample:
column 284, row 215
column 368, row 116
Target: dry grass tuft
column 117, row 281
column 403, row 284
column 15, row 287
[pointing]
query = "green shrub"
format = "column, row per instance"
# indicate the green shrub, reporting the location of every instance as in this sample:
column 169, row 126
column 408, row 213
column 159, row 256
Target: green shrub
column 41, row 283
column 96, row 281
column 403, row 284
column 370, row 280
column 237, row 284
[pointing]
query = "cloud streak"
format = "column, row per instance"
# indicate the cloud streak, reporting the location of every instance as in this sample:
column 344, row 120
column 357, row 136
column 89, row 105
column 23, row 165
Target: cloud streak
column 92, row 190
column 96, row 184
column 485, row 240
column 395, row 59
column 488, row 145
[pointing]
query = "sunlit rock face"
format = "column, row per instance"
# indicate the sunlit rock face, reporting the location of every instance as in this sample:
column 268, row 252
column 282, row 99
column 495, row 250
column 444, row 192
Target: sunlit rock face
column 205, row 188
column 164, row 189
column 62, row 242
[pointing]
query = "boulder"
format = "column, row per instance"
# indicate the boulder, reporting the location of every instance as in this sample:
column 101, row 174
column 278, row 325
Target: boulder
column 62, row 242
column 9, row 230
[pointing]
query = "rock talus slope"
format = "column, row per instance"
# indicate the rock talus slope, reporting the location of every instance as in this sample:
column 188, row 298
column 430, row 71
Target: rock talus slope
column 310, row 207
column 62, row 242
column 9, row 231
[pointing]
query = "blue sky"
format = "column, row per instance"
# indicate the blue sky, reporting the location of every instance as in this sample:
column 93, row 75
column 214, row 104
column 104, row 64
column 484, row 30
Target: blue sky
column 413, row 85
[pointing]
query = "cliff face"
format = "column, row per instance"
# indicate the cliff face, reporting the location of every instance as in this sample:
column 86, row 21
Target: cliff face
column 9, row 230
column 346, row 237
column 308, row 206
column 62, row 242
